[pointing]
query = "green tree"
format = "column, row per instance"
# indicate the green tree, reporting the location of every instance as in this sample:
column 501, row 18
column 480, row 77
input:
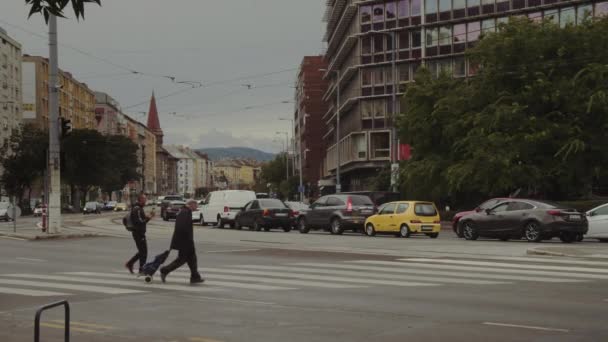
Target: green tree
column 275, row 174
column 534, row 118
column 56, row 7
column 121, row 163
column 23, row 159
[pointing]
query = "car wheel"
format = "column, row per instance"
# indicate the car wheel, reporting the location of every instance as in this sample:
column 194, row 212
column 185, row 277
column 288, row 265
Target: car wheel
column 232, row 225
column 369, row 230
column 220, row 222
column 580, row 237
column 257, row 226
column 266, row 229
column 469, row 231
column 336, row 227
column 568, row 237
column 433, row 235
column 532, row 232
column 202, row 221
column 405, row 231
column 287, row 229
column 237, row 225
column 302, row 226
column 504, row 238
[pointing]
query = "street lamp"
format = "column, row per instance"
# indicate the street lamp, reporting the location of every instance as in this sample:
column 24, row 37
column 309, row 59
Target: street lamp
column 338, row 75
column 394, row 142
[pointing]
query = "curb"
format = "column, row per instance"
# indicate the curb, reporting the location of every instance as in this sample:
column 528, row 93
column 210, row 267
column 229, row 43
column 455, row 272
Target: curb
column 538, row 251
column 51, row 237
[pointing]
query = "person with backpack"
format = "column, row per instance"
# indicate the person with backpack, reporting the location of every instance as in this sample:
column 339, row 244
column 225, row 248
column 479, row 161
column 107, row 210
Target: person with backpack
column 136, row 222
column 183, row 242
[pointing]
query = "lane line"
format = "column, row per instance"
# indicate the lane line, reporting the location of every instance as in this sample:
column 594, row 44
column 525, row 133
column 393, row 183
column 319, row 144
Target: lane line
column 207, row 282
column 12, row 238
column 83, row 288
column 233, row 251
column 31, row 293
column 511, row 265
column 31, row 259
column 374, row 275
column 481, row 269
column 475, row 275
column 86, row 278
column 319, row 277
column 238, row 301
column 61, row 326
column 86, row 325
column 202, row 339
column 525, row 327
column 546, row 260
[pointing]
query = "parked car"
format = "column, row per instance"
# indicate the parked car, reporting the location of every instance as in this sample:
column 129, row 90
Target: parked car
column 482, row 207
column 298, row 209
column 173, row 209
column 38, row 210
column 4, row 209
column 67, row 208
column 110, row 205
column 598, row 223
column 405, row 218
column 337, row 213
column 261, row 195
column 167, row 201
column 159, row 200
column 197, row 216
column 220, row 207
column 121, row 207
column 92, row 208
column 265, row 214
column 378, row 197
column 531, row 219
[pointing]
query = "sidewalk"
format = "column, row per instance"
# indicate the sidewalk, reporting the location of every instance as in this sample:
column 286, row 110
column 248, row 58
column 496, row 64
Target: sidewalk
column 28, row 229
column 579, row 250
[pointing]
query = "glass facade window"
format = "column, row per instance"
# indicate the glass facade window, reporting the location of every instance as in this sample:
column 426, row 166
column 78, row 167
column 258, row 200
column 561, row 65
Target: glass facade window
column 567, row 16
column 379, row 108
column 445, row 35
column 378, row 77
column 404, row 73
column 583, row 12
column 367, row 109
column 459, row 4
column 601, row 9
column 501, row 20
column 445, row 5
column 366, row 77
column 536, row 16
column 378, row 44
column 403, row 8
column 430, row 6
column 366, row 14
column 473, row 3
column 416, row 39
column 389, row 43
column 366, row 45
column 378, row 13
column 488, row 26
column 415, row 8
column 459, row 67
column 432, row 36
column 460, row 33
column 388, row 75
column 553, row 15
column 444, row 66
column 391, row 10
column 404, row 41
column 473, row 31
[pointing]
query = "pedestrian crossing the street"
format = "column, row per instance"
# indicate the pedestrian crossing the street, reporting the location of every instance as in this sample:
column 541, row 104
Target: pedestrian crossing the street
column 355, row 274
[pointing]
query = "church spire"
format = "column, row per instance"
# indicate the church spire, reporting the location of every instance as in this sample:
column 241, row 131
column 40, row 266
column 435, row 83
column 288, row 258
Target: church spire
column 153, row 121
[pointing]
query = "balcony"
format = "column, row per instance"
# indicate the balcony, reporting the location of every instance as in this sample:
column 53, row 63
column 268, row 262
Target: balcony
column 333, row 37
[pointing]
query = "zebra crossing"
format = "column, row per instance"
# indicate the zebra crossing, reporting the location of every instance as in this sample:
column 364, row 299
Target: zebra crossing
column 355, row 274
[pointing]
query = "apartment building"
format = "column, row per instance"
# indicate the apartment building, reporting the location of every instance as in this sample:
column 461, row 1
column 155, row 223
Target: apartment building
column 109, row 118
column 363, row 35
column 76, row 100
column 185, row 174
column 10, row 86
column 146, row 155
column 308, row 124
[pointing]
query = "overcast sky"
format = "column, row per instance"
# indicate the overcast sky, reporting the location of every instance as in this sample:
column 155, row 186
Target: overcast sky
column 191, row 40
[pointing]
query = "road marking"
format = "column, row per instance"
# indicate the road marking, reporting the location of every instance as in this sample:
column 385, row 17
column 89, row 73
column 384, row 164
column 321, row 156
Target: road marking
column 87, row 325
column 86, row 279
column 180, row 288
column 547, row 260
column 213, row 275
column 30, row 259
column 202, row 339
column 476, row 275
column 62, row 327
column 12, row 238
column 525, row 327
column 318, row 277
column 374, row 275
column 31, row 293
column 233, row 251
column 510, row 265
column 481, row 269
column 83, row 288
column 239, row 301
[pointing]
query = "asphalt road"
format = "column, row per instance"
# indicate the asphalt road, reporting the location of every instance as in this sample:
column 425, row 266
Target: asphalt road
column 292, row 287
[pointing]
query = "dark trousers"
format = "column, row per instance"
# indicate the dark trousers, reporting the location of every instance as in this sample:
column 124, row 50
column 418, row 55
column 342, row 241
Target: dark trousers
column 184, row 257
column 142, row 249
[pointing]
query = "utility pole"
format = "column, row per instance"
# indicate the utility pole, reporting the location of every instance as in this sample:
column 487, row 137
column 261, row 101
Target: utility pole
column 54, row 167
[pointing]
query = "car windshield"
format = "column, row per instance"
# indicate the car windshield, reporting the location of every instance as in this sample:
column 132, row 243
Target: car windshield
column 271, row 204
column 425, row 209
column 361, row 200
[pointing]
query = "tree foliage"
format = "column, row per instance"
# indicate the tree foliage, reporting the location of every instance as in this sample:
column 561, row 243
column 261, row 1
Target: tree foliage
column 534, row 118
column 57, row 7
column 274, row 173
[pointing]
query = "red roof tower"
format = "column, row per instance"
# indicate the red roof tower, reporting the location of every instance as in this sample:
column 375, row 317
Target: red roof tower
column 154, row 122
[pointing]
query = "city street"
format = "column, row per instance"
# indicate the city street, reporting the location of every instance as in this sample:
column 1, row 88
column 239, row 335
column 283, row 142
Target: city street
column 274, row 286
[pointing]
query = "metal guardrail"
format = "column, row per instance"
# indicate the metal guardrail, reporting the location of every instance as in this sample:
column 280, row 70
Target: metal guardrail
column 66, row 306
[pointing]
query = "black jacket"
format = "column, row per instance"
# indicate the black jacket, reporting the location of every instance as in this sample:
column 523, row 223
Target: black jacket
column 183, row 235
column 139, row 219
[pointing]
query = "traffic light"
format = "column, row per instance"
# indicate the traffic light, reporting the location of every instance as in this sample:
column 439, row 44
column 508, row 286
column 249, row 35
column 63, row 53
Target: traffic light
column 66, row 127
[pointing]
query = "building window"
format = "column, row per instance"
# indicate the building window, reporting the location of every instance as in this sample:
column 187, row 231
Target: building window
column 432, row 36
column 404, row 41
column 366, row 14
column 404, row 73
column 403, row 8
column 488, row 26
column 378, row 44
column 366, row 77
column 379, row 108
column 473, row 31
column 459, row 4
column 430, row 6
column 416, row 39
column 391, row 11
column 459, row 67
column 378, row 13
column 380, row 145
column 378, row 77
column 367, row 109
column 567, row 17
column 583, row 12
column 553, row 15
column 415, row 8
column 445, row 34
column 460, row 33
column 366, row 45
column 445, row 5
column 601, row 9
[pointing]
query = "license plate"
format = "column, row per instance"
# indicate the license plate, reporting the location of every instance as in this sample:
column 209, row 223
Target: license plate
column 367, row 211
column 427, row 228
column 281, row 215
column 575, row 217
column 356, row 222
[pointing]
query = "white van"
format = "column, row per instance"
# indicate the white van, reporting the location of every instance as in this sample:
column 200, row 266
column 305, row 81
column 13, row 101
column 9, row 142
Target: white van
column 221, row 207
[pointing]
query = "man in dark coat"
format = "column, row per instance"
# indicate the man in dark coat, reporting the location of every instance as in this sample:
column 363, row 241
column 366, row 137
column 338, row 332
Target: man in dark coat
column 183, row 241
column 140, row 221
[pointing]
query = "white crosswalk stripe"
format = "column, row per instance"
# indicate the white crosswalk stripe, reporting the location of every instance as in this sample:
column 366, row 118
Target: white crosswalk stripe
column 510, row 265
column 75, row 287
column 31, row 293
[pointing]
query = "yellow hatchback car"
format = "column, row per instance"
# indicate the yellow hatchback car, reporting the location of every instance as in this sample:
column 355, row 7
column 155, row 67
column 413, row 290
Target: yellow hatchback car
column 405, row 218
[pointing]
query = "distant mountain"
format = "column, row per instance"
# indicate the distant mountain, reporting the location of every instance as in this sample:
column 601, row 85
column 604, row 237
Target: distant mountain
column 218, row 153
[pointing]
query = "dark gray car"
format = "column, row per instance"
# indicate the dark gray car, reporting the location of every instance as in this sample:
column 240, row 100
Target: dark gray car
column 337, row 213
column 531, row 219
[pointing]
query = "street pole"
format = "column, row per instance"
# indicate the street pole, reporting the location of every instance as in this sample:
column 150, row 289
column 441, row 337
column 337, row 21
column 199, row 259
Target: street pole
column 395, row 142
column 338, row 182
column 54, row 209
